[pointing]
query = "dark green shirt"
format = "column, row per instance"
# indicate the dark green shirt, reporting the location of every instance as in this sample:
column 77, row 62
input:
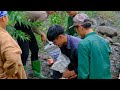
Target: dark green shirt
column 70, row 23
column 93, row 58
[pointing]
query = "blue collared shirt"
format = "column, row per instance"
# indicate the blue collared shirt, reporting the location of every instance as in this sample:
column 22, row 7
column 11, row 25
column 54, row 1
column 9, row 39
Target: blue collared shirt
column 71, row 51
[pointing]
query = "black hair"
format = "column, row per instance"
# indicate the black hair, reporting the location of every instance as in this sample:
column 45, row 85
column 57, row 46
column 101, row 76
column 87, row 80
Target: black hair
column 54, row 31
column 87, row 23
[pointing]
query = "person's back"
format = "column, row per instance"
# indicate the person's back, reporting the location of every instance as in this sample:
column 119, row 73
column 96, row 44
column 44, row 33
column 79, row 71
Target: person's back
column 98, row 50
column 11, row 66
column 10, row 54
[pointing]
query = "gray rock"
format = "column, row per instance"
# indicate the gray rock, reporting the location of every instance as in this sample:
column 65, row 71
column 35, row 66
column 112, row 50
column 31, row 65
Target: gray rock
column 118, row 34
column 108, row 31
column 109, row 40
column 100, row 21
column 116, row 44
column 94, row 24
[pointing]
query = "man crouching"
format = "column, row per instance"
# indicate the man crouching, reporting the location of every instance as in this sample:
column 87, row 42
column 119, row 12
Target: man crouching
column 69, row 46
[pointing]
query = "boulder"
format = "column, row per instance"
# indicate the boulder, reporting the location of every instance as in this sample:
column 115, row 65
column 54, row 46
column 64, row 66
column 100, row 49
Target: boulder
column 108, row 31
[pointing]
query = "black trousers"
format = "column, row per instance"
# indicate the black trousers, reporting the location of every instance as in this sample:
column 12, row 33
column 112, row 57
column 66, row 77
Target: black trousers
column 26, row 45
column 56, row 74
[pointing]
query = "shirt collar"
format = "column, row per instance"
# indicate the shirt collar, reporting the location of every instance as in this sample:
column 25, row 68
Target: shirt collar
column 91, row 33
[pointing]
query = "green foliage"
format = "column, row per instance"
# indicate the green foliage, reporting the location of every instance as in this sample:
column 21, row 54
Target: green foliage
column 59, row 18
column 55, row 19
column 17, row 16
column 17, row 33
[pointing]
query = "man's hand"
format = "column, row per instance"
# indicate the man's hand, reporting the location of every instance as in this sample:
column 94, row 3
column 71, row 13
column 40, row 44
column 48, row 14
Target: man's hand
column 39, row 32
column 3, row 76
column 68, row 74
column 119, row 76
column 50, row 61
column 72, row 77
column 43, row 38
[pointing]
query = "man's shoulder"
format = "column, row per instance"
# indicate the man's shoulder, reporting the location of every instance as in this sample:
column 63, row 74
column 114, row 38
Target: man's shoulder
column 90, row 39
column 85, row 42
column 95, row 37
column 3, row 32
column 74, row 41
column 73, row 38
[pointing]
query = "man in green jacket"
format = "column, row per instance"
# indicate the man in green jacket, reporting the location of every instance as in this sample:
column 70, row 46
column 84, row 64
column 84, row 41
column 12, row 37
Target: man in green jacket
column 93, row 51
column 71, row 31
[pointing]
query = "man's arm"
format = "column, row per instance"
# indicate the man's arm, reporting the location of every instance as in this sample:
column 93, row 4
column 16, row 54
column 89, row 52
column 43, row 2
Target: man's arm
column 42, row 34
column 83, row 62
column 38, row 16
column 76, row 61
column 73, row 65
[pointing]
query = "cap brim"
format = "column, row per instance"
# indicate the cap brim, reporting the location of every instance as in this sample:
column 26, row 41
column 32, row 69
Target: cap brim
column 71, row 26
